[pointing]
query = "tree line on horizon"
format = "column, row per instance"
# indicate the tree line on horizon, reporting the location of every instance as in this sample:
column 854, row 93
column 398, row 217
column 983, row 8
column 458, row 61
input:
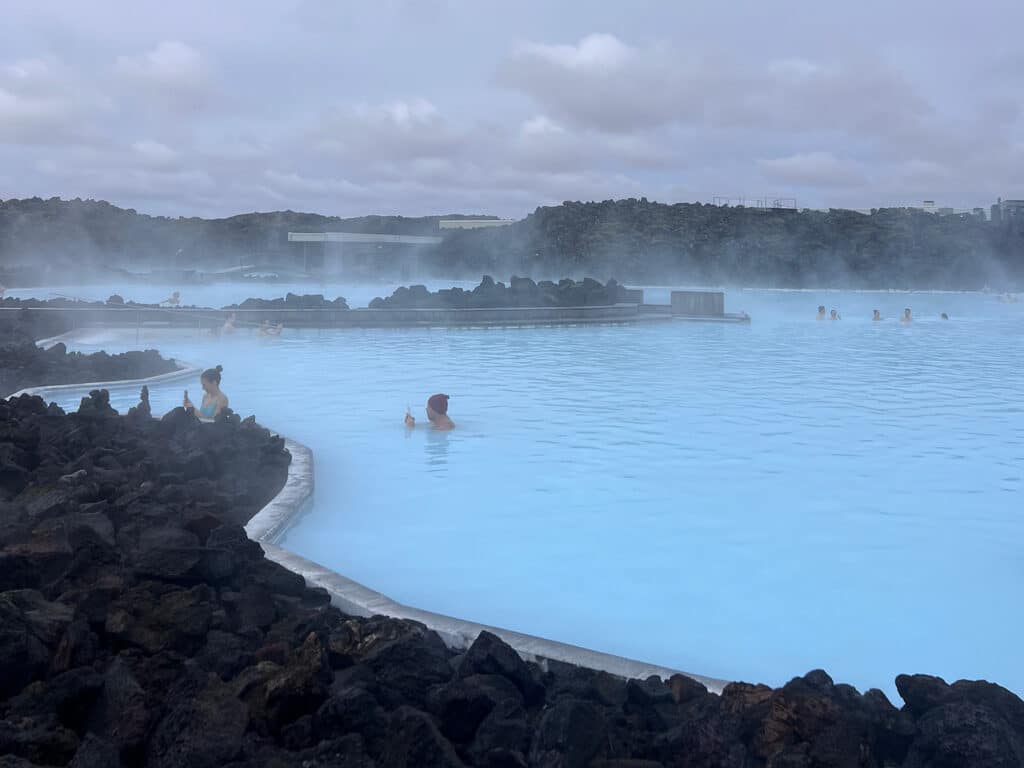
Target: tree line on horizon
column 693, row 243
column 631, row 240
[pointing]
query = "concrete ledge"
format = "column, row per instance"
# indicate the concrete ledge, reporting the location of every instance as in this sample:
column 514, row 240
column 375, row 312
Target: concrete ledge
column 365, row 318
column 48, row 391
column 270, row 525
column 273, row 521
column 54, row 340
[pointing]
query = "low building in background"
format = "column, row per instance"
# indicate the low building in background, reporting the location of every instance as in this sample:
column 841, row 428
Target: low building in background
column 473, row 223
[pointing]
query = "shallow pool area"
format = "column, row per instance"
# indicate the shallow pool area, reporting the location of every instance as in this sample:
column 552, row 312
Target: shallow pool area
column 744, row 502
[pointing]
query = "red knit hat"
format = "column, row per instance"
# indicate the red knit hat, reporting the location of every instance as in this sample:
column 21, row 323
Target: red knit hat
column 438, row 404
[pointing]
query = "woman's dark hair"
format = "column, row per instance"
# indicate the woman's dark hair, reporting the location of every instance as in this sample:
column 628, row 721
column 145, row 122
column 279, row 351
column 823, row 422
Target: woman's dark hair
column 213, row 374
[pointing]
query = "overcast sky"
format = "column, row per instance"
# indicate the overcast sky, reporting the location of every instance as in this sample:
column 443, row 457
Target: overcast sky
column 440, row 106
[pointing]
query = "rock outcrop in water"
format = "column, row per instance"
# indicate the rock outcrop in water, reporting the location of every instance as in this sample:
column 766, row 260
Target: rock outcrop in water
column 139, row 626
column 293, row 301
column 520, row 292
column 23, row 364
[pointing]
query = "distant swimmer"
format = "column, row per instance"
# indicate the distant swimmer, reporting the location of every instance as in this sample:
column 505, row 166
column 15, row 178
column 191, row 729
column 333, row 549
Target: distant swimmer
column 906, row 316
column 173, row 300
column 833, row 315
column 229, row 324
column 821, row 312
column 214, row 401
column 266, row 329
column 876, row 315
column 437, row 414
column 944, row 316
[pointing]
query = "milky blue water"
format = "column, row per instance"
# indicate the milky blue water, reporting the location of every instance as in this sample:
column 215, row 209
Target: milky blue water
column 745, row 502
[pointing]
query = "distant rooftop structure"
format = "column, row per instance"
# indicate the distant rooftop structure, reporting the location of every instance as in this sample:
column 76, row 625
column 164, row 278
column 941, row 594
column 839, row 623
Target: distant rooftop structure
column 474, row 223
column 1008, row 212
column 361, row 237
column 760, row 203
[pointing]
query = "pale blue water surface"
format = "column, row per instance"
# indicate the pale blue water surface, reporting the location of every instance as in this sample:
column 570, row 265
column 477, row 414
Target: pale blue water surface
column 745, row 502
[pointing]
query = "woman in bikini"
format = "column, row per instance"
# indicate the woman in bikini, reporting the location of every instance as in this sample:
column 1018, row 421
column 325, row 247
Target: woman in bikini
column 214, row 400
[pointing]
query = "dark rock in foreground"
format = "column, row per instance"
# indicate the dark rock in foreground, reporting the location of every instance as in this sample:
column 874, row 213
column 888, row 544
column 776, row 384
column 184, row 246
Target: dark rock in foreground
column 139, row 626
column 520, row 292
column 23, row 364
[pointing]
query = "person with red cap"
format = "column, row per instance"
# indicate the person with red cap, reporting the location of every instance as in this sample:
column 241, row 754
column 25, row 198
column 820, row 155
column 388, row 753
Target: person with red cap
column 437, row 413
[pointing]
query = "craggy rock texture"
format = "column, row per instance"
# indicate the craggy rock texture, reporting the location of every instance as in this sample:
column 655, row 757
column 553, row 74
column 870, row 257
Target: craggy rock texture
column 520, row 292
column 23, row 364
column 139, row 626
column 293, row 301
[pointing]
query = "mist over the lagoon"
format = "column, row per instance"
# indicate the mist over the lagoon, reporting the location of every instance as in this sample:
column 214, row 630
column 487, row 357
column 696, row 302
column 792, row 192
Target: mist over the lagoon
column 52, row 242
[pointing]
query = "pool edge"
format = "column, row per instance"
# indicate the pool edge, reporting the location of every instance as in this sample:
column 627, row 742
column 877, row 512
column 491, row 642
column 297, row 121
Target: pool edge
column 269, row 526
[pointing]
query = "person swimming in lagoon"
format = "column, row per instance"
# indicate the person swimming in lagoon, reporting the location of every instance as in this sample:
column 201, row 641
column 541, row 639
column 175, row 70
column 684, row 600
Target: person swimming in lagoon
column 229, row 324
column 876, row 315
column 437, row 414
column 821, row 312
column 214, row 400
column 173, row 300
column 906, row 316
column 944, row 316
column 266, row 329
column 834, row 315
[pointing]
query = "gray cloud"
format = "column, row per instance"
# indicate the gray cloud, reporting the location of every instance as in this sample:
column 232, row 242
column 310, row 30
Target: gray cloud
column 407, row 107
column 813, row 169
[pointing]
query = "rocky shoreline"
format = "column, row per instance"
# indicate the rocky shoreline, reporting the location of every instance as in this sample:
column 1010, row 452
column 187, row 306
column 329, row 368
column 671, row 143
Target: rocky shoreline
column 139, row 626
column 293, row 301
column 520, row 292
column 23, row 364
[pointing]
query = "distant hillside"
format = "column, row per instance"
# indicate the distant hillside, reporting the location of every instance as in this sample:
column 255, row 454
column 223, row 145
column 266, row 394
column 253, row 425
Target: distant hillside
column 638, row 240
column 91, row 232
column 630, row 240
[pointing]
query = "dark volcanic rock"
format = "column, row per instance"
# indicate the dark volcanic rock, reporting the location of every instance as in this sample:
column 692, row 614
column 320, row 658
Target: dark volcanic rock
column 23, row 364
column 96, row 753
column 293, row 301
column 301, row 686
column 571, row 734
column 122, row 714
column 967, row 723
column 406, row 658
column 490, row 655
column 520, row 292
column 203, row 726
column 415, row 742
column 463, row 704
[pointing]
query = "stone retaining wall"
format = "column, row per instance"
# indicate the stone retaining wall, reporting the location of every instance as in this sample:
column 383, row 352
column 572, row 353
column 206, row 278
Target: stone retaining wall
column 362, row 318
